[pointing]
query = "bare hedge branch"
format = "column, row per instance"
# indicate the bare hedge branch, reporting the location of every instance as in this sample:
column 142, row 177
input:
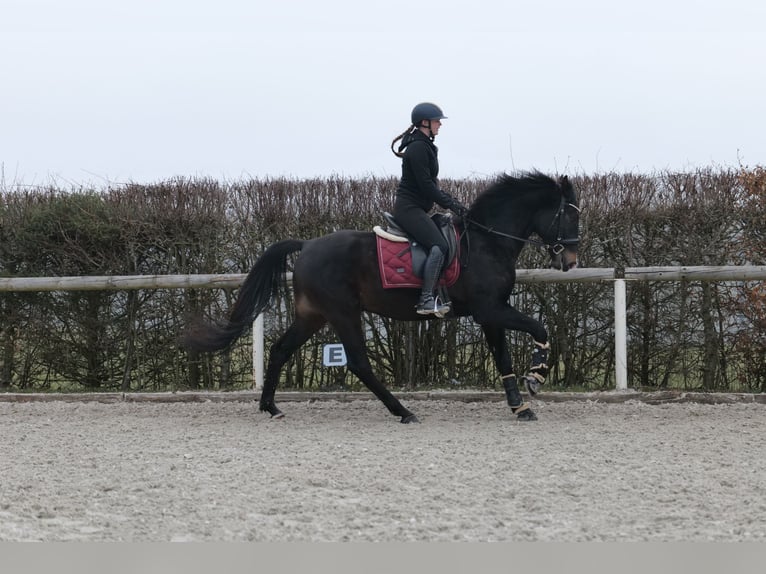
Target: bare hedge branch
column 682, row 335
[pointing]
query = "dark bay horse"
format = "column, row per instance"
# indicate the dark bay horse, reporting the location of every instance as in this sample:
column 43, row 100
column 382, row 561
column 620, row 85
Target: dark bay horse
column 336, row 277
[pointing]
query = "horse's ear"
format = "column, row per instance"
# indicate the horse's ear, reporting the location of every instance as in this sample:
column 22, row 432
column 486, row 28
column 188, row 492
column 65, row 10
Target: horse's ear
column 566, row 187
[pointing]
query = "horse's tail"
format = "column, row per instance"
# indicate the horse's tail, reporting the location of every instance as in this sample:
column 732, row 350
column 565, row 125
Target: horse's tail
column 260, row 285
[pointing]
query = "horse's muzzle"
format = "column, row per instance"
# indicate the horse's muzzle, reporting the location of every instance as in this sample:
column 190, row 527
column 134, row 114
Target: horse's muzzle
column 564, row 260
column 572, row 265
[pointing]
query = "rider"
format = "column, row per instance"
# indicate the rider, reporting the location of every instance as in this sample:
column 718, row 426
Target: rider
column 417, row 192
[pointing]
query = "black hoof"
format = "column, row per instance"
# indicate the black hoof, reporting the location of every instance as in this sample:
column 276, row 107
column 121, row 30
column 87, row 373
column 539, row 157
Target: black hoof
column 526, row 415
column 273, row 411
column 409, row 419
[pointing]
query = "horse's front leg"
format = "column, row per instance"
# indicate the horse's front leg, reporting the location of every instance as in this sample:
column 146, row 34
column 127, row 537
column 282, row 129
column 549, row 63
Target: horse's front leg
column 496, row 340
column 514, row 320
column 539, row 370
column 348, row 326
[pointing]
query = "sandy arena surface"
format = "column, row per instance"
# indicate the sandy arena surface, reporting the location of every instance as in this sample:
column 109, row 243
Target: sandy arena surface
column 337, row 471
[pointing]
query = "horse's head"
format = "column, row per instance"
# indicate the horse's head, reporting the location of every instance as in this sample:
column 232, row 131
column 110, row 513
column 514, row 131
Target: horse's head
column 561, row 231
column 534, row 203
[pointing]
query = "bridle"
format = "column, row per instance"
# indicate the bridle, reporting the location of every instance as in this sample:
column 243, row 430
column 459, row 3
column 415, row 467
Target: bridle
column 562, row 242
column 556, row 248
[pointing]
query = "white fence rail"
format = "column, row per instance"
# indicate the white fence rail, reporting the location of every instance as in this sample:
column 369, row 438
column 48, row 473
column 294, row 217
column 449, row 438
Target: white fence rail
column 233, row 280
column 585, row 275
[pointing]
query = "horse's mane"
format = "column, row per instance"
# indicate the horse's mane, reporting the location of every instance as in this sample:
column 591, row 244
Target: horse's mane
column 533, row 185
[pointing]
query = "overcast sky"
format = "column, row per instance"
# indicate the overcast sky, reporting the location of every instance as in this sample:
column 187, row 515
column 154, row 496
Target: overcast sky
column 144, row 90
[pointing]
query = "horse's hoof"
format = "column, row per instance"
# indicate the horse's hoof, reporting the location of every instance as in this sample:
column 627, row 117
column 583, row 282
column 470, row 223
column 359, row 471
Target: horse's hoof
column 273, row 411
column 527, row 415
column 278, row 416
column 533, row 386
column 409, row 419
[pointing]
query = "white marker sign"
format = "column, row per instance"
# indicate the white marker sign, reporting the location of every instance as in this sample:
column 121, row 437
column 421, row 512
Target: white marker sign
column 334, row 355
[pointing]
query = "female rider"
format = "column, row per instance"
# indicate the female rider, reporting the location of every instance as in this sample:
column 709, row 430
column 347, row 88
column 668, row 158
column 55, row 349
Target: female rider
column 417, row 192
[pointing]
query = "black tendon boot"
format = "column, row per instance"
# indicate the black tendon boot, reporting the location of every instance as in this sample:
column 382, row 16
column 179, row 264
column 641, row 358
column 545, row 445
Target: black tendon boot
column 429, row 304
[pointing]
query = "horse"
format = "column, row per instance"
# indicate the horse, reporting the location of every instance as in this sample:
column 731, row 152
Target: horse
column 336, row 277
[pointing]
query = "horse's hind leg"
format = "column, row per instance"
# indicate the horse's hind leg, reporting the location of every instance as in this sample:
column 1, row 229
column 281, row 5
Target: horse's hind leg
column 349, row 330
column 497, row 345
column 297, row 334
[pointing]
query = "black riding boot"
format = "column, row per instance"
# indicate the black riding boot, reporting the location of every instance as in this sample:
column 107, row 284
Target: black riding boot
column 429, row 304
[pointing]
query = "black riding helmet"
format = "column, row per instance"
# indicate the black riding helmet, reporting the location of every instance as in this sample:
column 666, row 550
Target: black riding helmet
column 426, row 111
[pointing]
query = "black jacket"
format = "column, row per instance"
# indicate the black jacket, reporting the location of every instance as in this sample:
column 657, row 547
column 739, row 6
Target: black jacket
column 420, row 169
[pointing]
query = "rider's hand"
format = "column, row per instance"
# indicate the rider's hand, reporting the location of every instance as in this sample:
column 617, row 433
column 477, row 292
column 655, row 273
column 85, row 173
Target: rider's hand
column 458, row 208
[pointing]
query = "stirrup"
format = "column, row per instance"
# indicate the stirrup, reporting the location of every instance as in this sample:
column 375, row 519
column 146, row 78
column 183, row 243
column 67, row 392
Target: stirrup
column 442, row 309
column 432, row 306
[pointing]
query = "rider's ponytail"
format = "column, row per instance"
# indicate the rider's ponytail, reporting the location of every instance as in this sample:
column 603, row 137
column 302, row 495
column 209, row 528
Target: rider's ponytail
column 400, row 153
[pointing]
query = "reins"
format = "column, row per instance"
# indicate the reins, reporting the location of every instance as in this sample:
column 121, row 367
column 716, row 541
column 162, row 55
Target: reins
column 556, row 248
column 493, row 231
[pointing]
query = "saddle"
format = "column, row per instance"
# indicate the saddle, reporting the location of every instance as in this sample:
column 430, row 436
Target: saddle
column 402, row 259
